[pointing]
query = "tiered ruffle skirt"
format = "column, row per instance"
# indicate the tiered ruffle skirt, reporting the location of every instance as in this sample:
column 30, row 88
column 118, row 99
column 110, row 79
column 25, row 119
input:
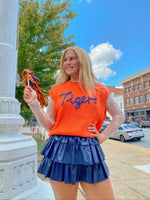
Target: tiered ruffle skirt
column 71, row 159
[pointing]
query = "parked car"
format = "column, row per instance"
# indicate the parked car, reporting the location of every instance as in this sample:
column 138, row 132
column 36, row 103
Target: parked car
column 126, row 121
column 105, row 124
column 128, row 132
column 107, row 121
column 131, row 122
column 103, row 127
column 135, row 123
column 144, row 123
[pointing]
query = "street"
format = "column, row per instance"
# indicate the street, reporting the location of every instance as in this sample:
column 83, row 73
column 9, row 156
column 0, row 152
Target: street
column 144, row 142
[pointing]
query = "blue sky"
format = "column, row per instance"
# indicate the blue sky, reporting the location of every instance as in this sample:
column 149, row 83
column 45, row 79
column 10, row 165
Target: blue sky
column 116, row 34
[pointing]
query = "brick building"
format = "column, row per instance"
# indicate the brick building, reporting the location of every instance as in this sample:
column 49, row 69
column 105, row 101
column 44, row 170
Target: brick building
column 137, row 95
column 117, row 94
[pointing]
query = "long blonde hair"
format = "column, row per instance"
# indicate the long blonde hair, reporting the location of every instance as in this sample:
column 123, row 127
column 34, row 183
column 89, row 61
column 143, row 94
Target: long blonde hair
column 86, row 75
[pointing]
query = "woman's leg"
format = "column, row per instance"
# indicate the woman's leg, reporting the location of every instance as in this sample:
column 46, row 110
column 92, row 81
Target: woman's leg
column 101, row 190
column 64, row 191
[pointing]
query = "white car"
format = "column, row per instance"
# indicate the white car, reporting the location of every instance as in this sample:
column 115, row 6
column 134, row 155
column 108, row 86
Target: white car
column 128, row 132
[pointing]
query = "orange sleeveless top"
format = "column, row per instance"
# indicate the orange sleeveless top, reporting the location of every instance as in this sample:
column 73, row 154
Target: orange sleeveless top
column 75, row 109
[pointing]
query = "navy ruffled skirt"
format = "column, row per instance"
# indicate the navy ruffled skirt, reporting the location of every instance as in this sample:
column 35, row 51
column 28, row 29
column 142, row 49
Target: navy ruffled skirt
column 71, row 159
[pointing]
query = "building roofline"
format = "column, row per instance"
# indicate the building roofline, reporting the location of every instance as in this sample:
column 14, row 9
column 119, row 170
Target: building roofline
column 136, row 75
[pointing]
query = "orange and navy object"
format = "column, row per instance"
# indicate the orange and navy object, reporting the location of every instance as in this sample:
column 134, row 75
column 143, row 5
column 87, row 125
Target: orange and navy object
column 29, row 79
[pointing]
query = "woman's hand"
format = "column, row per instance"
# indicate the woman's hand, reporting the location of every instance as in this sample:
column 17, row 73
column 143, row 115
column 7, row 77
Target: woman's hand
column 29, row 95
column 95, row 133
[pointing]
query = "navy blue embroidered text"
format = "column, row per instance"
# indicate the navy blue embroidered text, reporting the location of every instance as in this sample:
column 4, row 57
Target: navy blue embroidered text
column 68, row 97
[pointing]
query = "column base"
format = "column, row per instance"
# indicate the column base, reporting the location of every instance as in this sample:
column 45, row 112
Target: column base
column 43, row 190
column 18, row 165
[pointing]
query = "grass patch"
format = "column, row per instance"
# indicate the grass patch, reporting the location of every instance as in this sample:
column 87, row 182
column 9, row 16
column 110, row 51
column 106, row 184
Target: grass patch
column 40, row 144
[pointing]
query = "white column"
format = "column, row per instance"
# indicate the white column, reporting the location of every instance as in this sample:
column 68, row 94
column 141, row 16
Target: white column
column 18, row 153
column 18, row 158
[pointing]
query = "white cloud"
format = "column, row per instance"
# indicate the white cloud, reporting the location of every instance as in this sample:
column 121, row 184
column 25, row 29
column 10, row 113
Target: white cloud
column 89, row 1
column 102, row 56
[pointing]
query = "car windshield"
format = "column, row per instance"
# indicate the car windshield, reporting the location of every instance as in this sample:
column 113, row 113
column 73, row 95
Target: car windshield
column 128, row 126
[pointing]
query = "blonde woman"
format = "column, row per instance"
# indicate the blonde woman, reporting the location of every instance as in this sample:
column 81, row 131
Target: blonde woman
column 75, row 114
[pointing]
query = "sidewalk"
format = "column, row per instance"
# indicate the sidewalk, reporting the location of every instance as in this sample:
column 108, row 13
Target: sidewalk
column 31, row 131
column 129, row 167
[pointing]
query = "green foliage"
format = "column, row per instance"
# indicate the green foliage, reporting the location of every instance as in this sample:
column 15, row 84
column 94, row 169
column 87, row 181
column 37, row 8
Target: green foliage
column 40, row 145
column 26, row 113
column 42, row 40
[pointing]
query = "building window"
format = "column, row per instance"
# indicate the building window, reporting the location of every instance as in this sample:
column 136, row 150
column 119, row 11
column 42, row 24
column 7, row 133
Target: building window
column 127, row 102
column 146, row 84
column 137, row 113
column 142, row 113
column 131, row 102
column 135, row 88
column 126, row 90
column 141, row 99
column 130, row 90
column 140, row 86
column 136, row 100
column 147, row 98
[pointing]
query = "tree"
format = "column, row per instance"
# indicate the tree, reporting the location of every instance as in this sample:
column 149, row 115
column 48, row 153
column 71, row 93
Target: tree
column 42, row 26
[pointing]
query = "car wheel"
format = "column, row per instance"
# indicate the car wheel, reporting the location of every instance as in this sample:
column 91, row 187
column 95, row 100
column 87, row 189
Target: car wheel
column 138, row 138
column 122, row 138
